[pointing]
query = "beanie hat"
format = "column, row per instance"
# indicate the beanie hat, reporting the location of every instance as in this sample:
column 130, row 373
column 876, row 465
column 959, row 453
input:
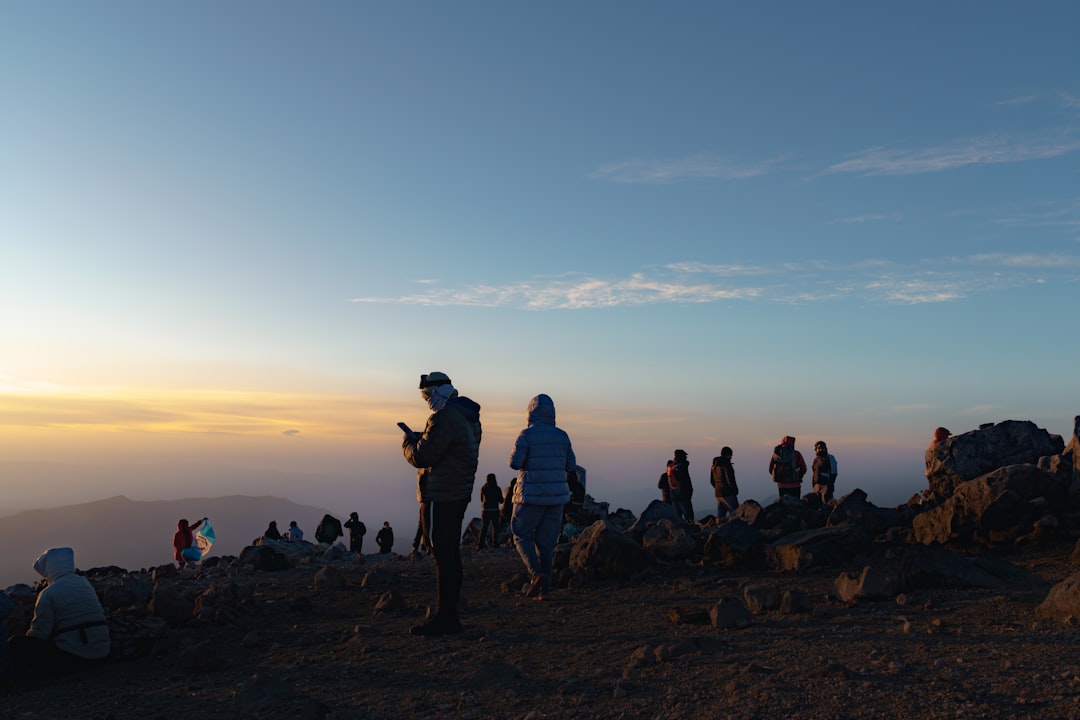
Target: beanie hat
column 434, row 379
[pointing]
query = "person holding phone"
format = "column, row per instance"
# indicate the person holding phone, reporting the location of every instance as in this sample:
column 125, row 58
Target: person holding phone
column 445, row 456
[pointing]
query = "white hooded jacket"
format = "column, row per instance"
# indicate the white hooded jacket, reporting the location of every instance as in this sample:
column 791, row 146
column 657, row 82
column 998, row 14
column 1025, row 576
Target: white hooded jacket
column 67, row 612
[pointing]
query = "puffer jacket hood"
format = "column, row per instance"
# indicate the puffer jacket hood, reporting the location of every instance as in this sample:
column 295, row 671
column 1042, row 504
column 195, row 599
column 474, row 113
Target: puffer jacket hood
column 55, row 562
column 541, row 410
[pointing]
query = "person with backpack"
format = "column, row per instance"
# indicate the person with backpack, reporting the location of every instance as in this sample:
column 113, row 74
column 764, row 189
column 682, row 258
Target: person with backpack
column 824, row 469
column 682, row 489
column 722, row 478
column 663, row 485
column 491, row 504
column 787, row 468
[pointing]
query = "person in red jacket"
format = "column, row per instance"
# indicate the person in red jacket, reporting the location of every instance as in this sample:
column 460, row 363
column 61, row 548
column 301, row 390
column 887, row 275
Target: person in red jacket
column 183, row 539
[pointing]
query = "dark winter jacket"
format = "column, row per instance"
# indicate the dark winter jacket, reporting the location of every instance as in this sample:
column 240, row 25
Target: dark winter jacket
column 723, row 479
column 445, row 455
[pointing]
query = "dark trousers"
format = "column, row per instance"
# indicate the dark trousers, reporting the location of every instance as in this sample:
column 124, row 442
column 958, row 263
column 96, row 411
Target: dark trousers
column 442, row 525
column 794, row 492
column 490, row 519
column 33, row 656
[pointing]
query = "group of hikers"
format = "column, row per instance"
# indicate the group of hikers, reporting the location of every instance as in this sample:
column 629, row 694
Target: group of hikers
column 786, row 468
column 68, row 630
column 330, row 529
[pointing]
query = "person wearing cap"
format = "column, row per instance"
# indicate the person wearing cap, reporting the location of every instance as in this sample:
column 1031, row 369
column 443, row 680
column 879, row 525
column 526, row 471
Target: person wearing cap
column 445, row 456
column 824, row 469
column 682, row 489
column 543, row 457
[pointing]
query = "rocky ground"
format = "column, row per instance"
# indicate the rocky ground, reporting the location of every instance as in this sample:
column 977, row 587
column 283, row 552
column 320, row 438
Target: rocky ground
column 632, row 649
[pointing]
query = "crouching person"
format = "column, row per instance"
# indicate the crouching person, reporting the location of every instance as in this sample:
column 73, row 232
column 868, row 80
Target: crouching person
column 68, row 632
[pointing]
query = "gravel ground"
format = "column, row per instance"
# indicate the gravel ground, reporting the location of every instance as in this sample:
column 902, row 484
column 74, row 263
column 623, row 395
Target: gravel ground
column 640, row 649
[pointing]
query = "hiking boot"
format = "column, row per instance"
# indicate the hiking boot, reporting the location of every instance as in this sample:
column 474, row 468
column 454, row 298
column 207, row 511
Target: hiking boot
column 536, row 587
column 437, row 627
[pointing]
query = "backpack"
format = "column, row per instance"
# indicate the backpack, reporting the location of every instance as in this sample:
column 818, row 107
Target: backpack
column 783, row 464
column 672, row 480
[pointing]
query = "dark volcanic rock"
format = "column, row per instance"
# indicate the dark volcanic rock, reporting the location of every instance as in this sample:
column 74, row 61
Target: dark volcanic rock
column 995, row 508
column 602, row 552
column 975, row 453
column 816, row 548
column 735, row 545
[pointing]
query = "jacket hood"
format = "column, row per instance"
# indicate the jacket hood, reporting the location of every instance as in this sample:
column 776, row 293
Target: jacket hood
column 467, row 407
column 55, row 562
column 541, row 410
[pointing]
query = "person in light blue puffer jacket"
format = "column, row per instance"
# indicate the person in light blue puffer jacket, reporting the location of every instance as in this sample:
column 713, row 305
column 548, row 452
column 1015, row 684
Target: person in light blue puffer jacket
column 543, row 455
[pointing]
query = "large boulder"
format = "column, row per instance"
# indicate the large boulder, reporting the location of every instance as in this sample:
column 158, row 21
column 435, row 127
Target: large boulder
column 735, row 545
column 787, row 515
column 667, row 540
column 1062, row 603
column 994, row 509
column 603, row 552
column 925, row 567
column 965, row 457
column 652, row 514
column 822, row 547
column 855, row 509
column 262, row 557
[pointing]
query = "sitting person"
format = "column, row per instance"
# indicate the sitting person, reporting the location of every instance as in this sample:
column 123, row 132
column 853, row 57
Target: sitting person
column 294, row 532
column 183, row 540
column 272, row 533
column 68, row 632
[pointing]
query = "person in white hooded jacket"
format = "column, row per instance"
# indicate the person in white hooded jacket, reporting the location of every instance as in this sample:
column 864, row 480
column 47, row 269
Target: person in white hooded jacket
column 69, row 631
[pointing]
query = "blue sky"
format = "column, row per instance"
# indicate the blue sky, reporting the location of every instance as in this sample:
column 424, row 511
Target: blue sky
column 699, row 224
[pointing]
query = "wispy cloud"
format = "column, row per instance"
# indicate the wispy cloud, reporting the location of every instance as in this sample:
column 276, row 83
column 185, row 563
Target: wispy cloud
column 695, row 167
column 1069, row 100
column 987, row 150
column 1017, row 100
column 722, row 270
column 811, row 281
column 870, row 217
column 1029, row 260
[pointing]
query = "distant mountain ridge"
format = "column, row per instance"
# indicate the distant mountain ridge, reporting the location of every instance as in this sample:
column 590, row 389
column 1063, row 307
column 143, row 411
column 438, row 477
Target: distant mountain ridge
column 135, row 534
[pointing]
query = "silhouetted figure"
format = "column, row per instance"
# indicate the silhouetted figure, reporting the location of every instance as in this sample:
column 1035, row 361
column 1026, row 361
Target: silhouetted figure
column 445, row 458
column 385, row 539
column 787, row 467
column 722, row 478
column 272, row 533
column 328, row 530
column 824, row 471
column 294, row 532
column 682, row 488
column 491, row 502
column 664, row 485
column 357, row 530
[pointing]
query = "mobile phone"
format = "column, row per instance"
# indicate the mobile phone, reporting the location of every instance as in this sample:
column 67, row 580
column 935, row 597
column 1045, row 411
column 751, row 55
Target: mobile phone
column 407, row 430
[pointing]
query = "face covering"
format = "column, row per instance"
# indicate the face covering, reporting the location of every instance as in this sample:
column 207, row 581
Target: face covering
column 438, row 395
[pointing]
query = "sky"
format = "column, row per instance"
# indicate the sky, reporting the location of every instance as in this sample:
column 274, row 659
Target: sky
column 233, row 235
